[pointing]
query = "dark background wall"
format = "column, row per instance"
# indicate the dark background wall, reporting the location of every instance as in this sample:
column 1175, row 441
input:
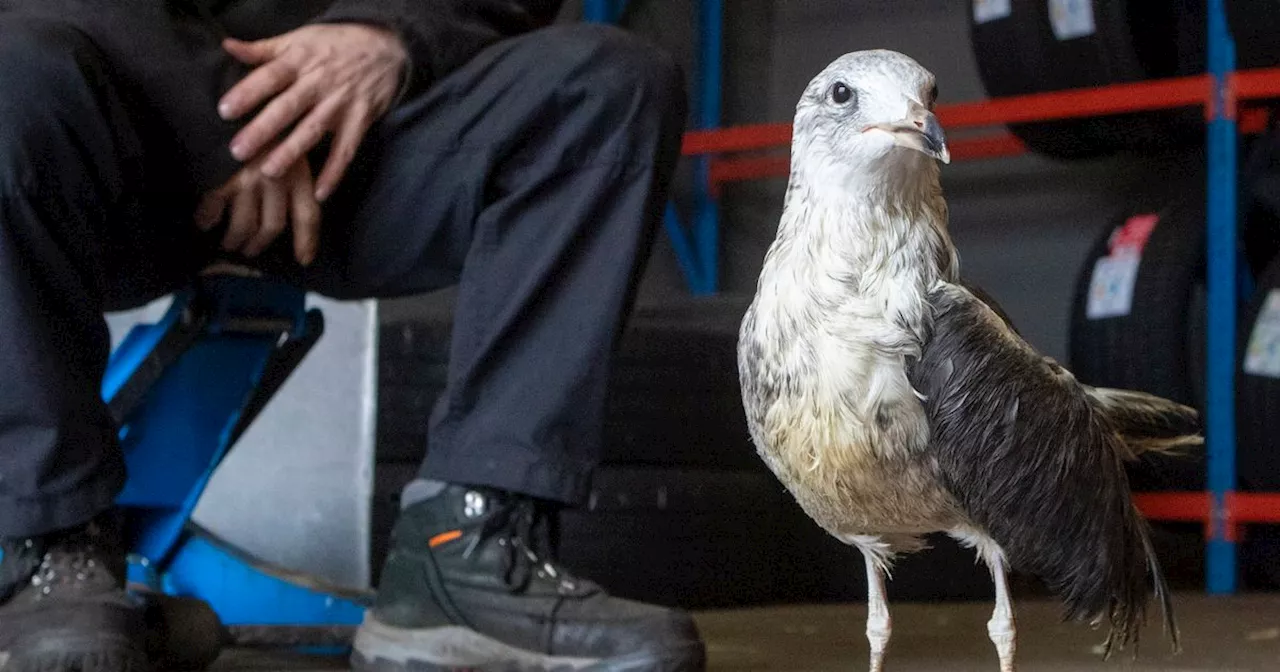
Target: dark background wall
column 1023, row 225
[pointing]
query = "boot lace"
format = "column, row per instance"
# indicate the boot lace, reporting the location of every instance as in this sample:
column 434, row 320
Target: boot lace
column 514, row 526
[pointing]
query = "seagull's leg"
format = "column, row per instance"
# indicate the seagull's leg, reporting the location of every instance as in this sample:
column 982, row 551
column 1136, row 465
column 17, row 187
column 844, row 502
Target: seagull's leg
column 878, row 626
column 1000, row 627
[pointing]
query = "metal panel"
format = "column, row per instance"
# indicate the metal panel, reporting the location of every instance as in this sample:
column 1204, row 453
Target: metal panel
column 295, row 491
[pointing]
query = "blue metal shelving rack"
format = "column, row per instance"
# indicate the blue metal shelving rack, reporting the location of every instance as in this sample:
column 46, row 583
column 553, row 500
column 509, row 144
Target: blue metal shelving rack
column 1222, row 302
column 697, row 246
column 697, row 251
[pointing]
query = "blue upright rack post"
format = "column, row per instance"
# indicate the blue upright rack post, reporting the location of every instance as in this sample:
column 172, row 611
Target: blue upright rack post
column 697, row 247
column 603, row 11
column 706, row 232
column 1221, row 281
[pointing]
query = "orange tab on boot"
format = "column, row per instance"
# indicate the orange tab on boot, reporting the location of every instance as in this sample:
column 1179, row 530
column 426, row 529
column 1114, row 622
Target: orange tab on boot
column 444, row 538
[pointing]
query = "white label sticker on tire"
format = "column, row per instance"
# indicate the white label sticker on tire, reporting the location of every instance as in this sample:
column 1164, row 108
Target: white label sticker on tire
column 1071, row 18
column 990, row 10
column 1111, row 286
column 1262, row 355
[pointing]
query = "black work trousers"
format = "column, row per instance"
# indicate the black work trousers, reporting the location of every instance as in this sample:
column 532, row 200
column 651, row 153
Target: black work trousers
column 533, row 179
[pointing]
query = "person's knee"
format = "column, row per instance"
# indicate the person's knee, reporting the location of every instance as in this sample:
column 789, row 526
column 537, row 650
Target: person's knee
column 626, row 62
column 46, row 86
column 43, row 59
column 620, row 68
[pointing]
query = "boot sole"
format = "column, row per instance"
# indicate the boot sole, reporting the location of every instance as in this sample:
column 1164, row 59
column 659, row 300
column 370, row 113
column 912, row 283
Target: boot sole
column 74, row 651
column 383, row 648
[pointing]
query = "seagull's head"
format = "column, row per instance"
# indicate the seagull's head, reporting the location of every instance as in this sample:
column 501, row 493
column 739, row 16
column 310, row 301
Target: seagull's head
column 868, row 110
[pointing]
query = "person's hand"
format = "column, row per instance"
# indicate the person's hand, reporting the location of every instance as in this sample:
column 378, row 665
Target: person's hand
column 328, row 78
column 259, row 208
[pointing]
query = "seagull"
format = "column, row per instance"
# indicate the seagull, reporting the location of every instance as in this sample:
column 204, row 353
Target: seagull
column 893, row 400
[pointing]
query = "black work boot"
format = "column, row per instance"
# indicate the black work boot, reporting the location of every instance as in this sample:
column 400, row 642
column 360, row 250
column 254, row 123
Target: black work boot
column 467, row 585
column 63, row 605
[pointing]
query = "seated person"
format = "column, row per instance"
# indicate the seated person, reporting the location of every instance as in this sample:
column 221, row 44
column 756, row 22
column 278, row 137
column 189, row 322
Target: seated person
column 358, row 149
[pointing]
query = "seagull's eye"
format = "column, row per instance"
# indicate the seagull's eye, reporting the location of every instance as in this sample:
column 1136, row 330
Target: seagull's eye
column 841, row 93
column 933, row 94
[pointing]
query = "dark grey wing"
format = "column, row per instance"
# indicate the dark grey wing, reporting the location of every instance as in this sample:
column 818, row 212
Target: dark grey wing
column 1145, row 421
column 1031, row 460
column 982, row 295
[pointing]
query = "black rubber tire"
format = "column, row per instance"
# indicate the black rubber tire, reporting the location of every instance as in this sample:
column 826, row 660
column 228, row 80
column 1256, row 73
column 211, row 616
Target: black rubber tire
column 673, row 397
column 1159, row 346
column 1258, row 396
column 1258, row 444
column 1135, row 40
column 1255, row 25
column 673, row 403
column 1257, row 403
column 1156, row 348
column 682, row 511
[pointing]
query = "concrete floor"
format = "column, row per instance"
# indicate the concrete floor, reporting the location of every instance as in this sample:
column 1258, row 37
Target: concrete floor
column 1235, row 634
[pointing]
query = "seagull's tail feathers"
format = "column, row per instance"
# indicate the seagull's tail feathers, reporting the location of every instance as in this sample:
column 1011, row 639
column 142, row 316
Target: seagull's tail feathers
column 1038, row 463
column 1146, row 422
column 1162, row 593
column 1113, row 589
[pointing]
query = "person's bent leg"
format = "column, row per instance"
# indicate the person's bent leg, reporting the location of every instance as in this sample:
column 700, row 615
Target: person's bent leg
column 64, row 144
column 536, row 176
column 555, row 258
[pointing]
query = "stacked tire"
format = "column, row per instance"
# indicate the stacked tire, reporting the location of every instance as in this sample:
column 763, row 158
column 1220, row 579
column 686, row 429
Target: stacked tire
column 1138, row 322
column 1254, row 26
column 682, row 511
column 1138, row 318
column 1258, row 371
column 1257, row 424
column 1037, row 46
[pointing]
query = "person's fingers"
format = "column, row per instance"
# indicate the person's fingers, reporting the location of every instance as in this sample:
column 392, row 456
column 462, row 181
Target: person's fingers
column 279, row 114
column 268, row 125
column 265, row 81
column 345, row 143
column 306, row 134
column 211, row 209
column 305, row 217
column 245, row 218
column 271, row 219
column 254, row 52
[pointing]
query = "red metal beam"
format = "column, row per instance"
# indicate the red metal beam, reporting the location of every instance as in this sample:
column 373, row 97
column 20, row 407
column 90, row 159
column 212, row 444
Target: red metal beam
column 1259, row 83
column 1254, row 507
column 1113, row 99
column 1241, row 507
column 737, row 139
column 1254, row 120
column 1072, row 103
column 721, row 171
column 741, row 169
column 1183, row 506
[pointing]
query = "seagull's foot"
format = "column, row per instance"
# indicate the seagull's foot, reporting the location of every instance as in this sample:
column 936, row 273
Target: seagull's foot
column 1003, row 634
column 878, row 630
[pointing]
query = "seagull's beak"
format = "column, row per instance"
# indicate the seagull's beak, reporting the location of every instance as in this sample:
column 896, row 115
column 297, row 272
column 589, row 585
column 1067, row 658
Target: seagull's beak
column 919, row 131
